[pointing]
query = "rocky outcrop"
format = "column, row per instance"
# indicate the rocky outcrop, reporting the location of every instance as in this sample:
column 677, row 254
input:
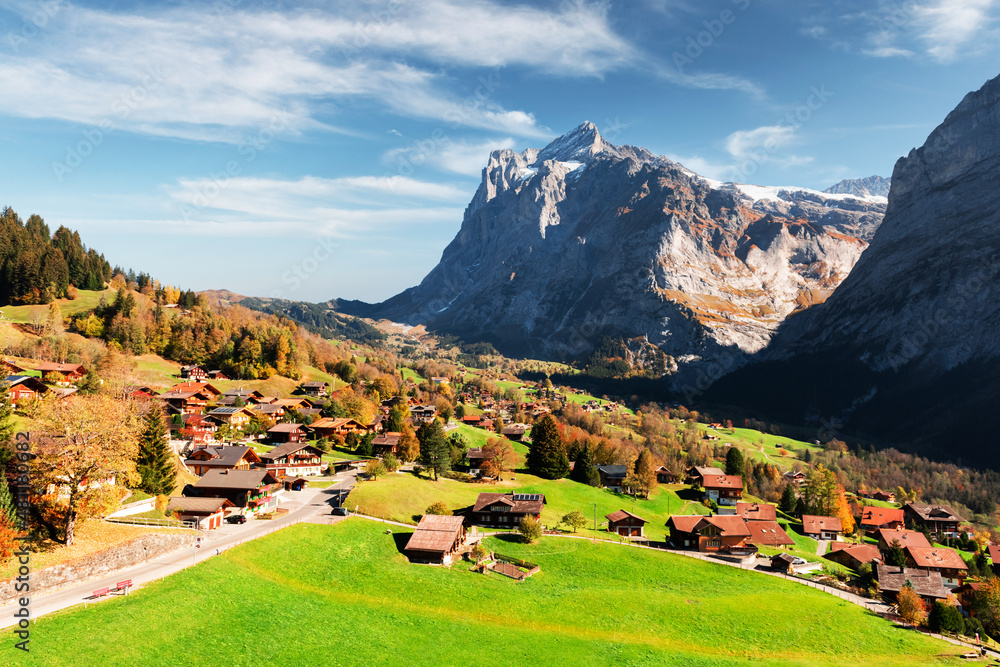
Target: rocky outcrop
column 908, row 347
column 582, row 239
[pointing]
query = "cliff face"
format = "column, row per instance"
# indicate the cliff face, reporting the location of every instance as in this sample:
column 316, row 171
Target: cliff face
column 908, row 348
column 582, row 239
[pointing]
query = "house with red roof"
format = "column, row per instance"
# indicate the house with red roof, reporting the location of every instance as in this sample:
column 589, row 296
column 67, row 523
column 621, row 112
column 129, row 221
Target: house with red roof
column 626, row 524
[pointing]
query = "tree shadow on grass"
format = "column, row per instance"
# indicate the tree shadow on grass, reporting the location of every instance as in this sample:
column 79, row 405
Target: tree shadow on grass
column 513, row 538
column 401, row 539
column 689, row 494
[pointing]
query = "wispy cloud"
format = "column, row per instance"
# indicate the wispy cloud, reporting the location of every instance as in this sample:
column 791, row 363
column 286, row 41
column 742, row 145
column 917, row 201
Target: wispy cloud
column 459, row 157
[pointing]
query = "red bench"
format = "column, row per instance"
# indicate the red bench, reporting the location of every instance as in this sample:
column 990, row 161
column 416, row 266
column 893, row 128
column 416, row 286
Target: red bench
column 123, row 586
column 101, row 593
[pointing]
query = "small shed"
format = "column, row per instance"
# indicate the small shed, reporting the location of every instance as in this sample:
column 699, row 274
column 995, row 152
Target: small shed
column 783, row 562
column 207, row 513
column 436, row 539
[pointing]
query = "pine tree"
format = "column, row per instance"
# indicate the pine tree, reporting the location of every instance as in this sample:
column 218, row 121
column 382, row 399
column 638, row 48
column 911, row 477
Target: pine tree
column 585, row 471
column 734, row 461
column 435, row 450
column 787, row 503
column 8, row 510
column 547, row 456
column 7, row 427
column 155, row 463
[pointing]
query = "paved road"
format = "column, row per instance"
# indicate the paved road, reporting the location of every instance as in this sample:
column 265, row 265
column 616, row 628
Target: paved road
column 821, row 546
column 302, row 505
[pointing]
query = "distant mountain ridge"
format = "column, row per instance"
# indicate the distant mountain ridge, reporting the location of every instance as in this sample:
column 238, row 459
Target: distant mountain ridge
column 582, row 239
column 873, row 186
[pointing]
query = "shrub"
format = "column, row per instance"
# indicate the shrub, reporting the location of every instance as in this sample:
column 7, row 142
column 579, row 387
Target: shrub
column 438, row 508
column 391, row 463
column 945, row 618
column 530, row 529
column 458, row 476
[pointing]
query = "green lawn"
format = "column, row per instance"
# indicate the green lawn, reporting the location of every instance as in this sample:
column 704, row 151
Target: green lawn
column 404, row 497
column 86, row 300
column 343, row 594
column 749, row 441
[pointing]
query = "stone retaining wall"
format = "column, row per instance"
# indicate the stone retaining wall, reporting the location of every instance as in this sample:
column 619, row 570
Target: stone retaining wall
column 100, row 564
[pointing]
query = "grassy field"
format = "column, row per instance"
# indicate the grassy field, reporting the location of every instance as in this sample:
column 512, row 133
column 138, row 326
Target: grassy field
column 85, row 300
column 404, row 497
column 343, row 594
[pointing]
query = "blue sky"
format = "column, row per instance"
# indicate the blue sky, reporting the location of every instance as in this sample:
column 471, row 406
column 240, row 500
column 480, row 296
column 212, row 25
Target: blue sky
column 315, row 152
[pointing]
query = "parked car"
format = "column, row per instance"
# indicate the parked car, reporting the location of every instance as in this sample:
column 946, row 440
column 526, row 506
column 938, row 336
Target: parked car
column 799, row 561
column 236, row 518
column 340, row 511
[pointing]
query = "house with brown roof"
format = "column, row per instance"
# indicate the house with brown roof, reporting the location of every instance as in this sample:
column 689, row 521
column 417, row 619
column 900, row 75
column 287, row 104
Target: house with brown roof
column 822, row 527
column 765, row 533
column 24, row 388
column 268, row 411
column 8, row 367
column 208, row 387
column 724, row 490
column 666, row 476
column 197, row 428
column 436, row 540
column 293, row 459
column 756, row 511
column 70, row 372
column 875, row 518
column 940, row 520
column 505, row 509
column 926, row 583
column 515, row 432
column 193, row 372
column 250, row 490
column 314, row 388
column 695, row 475
column 328, row 427
column 939, row 559
column 387, row 443
column 796, row 477
column 246, row 395
column 237, row 418
column 853, row 556
column 709, row 533
column 206, row 513
column 906, row 538
column 229, row 457
column 994, row 552
column 286, row 433
column 188, row 401
column 217, row 375
column 885, row 496
column 612, row 476
column 626, row 524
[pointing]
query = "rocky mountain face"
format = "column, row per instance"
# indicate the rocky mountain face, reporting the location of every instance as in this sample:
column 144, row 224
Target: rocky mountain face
column 862, row 187
column 908, row 348
column 584, row 239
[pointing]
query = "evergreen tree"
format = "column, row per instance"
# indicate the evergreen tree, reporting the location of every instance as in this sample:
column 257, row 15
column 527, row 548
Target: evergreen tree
column 7, row 427
column 395, row 422
column 734, row 461
column 896, row 555
column 547, row 456
column 155, row 463
column 365, row 445
column 787, row 503
column 585, row 471
column 800, row 507
column 8, row 509
column 435, row 450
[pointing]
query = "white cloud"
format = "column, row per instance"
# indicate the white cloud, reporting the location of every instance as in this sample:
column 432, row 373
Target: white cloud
column 747, row 144
column 947, row 26
column 460, row 157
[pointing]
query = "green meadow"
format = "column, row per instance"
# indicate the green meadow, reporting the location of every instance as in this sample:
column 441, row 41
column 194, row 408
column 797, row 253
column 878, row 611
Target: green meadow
column 344, row 595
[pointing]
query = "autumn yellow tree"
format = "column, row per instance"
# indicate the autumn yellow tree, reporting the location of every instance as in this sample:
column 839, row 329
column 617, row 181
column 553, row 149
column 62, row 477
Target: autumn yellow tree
column 82, row 445
column 844, row 511
column 911, row 607
column 409, row 445
column 500, row 455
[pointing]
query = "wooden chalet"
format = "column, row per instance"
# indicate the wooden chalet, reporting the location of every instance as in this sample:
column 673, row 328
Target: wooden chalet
column 269, row 411
column 926, row 583
column 294, row 403
column 293, row 459
column 328, row 428
column 906, row 538
column 204, row 459
column 207, row 513
column 612, row 476
column 783, row 562
column 947, row 562
column 292, row 433
column 505, row 509
column 24, row 388
column 472, row 420
column 250, row 490
column 756, row 511
column 423, row 414
column 853, row 556
column 386, row 443
column 796, row 477
column 208, row 387
column 725, row 490
column 377, row 424
column 885, row 496
column 695, row 475
column 664, row 476
column 315, row 388
column 217, row 375
column 515, row 432
column 436, row 540
column 877, row 518
column 185, row 402
column 8, row 367
column 994, row 552
column 709, row 533
column 626, row 524
column 193, row 372
column 475, row 456
column 295, row 483
column 246, row 395
column 940, row 520
column 236, row 417
column 70, row 372
column 198, row 428
column 822, row 527
column 766, row 533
